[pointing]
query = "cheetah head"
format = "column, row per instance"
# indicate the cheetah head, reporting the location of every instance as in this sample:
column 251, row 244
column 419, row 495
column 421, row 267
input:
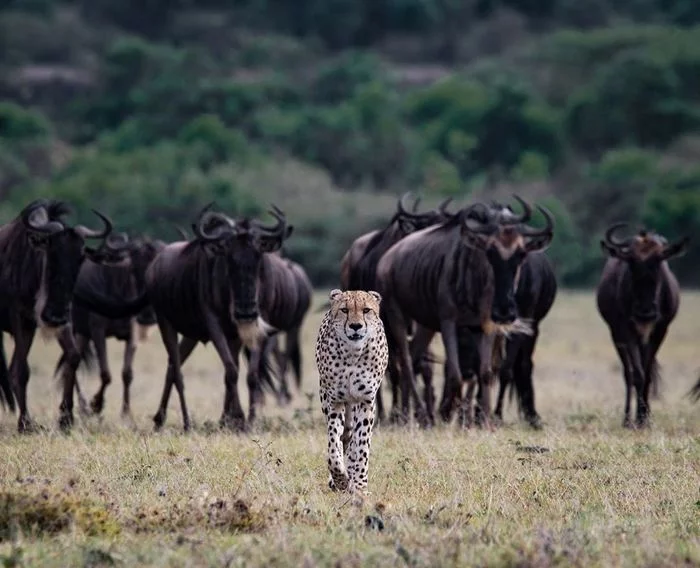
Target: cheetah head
column 355, row 314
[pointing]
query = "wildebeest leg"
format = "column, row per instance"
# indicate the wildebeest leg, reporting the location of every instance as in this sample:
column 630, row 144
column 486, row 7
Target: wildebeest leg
column 19, row 374
column 292, row 351
column 81, row 341
column 628, row 374
column 419, row 346
column 233, row 416
column 483, row 411
column 522, row 377
column 100, row 341
column 184, row 350
column 128, row 373
column 453, row 377
column 72, row 356
column 650, row 371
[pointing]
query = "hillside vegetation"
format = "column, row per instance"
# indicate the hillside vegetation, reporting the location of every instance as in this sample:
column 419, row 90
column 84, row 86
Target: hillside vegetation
column 333, row 108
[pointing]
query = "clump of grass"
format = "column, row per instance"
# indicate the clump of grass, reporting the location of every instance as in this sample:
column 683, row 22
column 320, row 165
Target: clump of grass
column 49, row 513
column 234, row 516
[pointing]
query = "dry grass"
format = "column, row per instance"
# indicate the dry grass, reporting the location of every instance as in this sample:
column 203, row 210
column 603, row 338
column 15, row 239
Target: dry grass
column 581, row 492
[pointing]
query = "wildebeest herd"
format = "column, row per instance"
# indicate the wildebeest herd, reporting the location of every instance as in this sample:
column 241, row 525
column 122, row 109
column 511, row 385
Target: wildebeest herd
column 479, row 276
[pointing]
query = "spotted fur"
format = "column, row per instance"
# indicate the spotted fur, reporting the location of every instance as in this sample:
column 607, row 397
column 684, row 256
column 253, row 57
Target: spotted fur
column 352, row 357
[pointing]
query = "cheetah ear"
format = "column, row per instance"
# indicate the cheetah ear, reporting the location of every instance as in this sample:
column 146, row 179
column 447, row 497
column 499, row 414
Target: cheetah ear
column 334, row 294
column 376, row 295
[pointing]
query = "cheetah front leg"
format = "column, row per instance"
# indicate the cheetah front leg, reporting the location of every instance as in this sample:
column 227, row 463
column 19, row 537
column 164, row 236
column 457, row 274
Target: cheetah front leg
column 360, row 441
column 335, row 420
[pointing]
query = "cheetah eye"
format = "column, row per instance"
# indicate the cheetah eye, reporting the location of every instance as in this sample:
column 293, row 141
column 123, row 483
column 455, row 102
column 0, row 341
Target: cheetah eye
column 344, row 310
column 366, row 311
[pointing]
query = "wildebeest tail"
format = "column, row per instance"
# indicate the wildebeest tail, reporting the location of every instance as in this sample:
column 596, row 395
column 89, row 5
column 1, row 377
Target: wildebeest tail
column 294, row 353
column 694, row 393
column 87, row 359
column 7, row 397
column 108, row 307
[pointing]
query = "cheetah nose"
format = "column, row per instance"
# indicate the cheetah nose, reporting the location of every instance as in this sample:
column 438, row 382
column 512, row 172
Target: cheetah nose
column 355, row 326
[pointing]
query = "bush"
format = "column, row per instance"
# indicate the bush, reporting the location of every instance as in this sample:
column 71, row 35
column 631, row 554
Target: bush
column 18, row 124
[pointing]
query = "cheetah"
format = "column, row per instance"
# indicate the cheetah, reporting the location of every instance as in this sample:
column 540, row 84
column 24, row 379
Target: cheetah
column 352, row 357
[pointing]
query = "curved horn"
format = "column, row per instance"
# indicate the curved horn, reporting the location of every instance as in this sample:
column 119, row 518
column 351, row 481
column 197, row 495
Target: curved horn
column 530, row 232
column 401, row 207
column 524, row 217
column 38, row 221
column 278, row 228
column 117, row 242
column 442, row 208
column 205, row 217
column 415, row 205
column 609, row 238
column 86, row 233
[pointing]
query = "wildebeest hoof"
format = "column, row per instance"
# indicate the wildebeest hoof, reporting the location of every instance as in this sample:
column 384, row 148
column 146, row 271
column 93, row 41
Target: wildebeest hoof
column 26, row 425
column 535, row 422
column 65, row 422
column 96, row 405
column 627, row 423
column 233, row 423
column 158, row 420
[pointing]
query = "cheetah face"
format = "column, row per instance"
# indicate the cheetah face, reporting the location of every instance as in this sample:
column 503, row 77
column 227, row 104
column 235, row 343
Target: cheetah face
column 355, row 314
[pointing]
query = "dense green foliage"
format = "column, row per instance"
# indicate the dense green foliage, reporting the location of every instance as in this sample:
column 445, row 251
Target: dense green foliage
column 331, row 109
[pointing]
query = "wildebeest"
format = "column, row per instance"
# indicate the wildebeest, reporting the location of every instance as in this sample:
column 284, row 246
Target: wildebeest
column 123, row 278
column 638, row 297
column 206, row 290
column 458, row 275
column 40, row 256
column 534, row 297
column 284, row 299
column 358, row 271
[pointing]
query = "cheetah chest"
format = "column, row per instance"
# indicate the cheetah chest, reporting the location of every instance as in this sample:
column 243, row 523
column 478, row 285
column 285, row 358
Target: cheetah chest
column 352, row 375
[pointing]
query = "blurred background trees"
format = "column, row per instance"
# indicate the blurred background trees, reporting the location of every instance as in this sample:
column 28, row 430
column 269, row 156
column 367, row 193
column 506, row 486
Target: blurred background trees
column 331, row 109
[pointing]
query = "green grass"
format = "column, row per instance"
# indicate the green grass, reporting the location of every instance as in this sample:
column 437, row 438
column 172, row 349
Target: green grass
column 582, row 492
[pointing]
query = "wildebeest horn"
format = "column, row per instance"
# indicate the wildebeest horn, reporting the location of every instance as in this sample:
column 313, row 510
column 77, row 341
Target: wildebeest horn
column 38, row 221
column 525, row 217
column 530, row 232
column 415, row 205
column 402, row 209
column 442, row 208
column 610, row 240
column 86, row 233
column 278, row 229
column 117, row 242
column 205, row 217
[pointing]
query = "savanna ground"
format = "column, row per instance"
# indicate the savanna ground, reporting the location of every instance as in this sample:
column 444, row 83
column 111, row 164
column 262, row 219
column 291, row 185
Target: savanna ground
column 581, row 492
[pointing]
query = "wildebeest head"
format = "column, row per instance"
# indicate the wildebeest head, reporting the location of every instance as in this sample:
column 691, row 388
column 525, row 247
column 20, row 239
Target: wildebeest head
column 506, row 241
column 410, row 221
column 243, row 243
column 63, row 250
column 644, row 255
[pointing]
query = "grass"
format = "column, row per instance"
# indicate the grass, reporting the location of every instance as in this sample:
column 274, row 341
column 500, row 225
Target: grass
column 582, row 492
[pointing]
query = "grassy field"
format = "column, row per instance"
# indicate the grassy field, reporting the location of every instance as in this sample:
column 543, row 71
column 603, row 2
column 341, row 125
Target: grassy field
column 582, row 492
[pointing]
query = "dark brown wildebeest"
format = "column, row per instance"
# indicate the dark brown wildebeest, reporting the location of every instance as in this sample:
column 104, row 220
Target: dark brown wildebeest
column 534, row 297
column 695, row 392
column 40, row 256
column 124, row 277
column 358, row 271
column 206, row 290
column 638, row 297
column 449, row 278
column 284, row 300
